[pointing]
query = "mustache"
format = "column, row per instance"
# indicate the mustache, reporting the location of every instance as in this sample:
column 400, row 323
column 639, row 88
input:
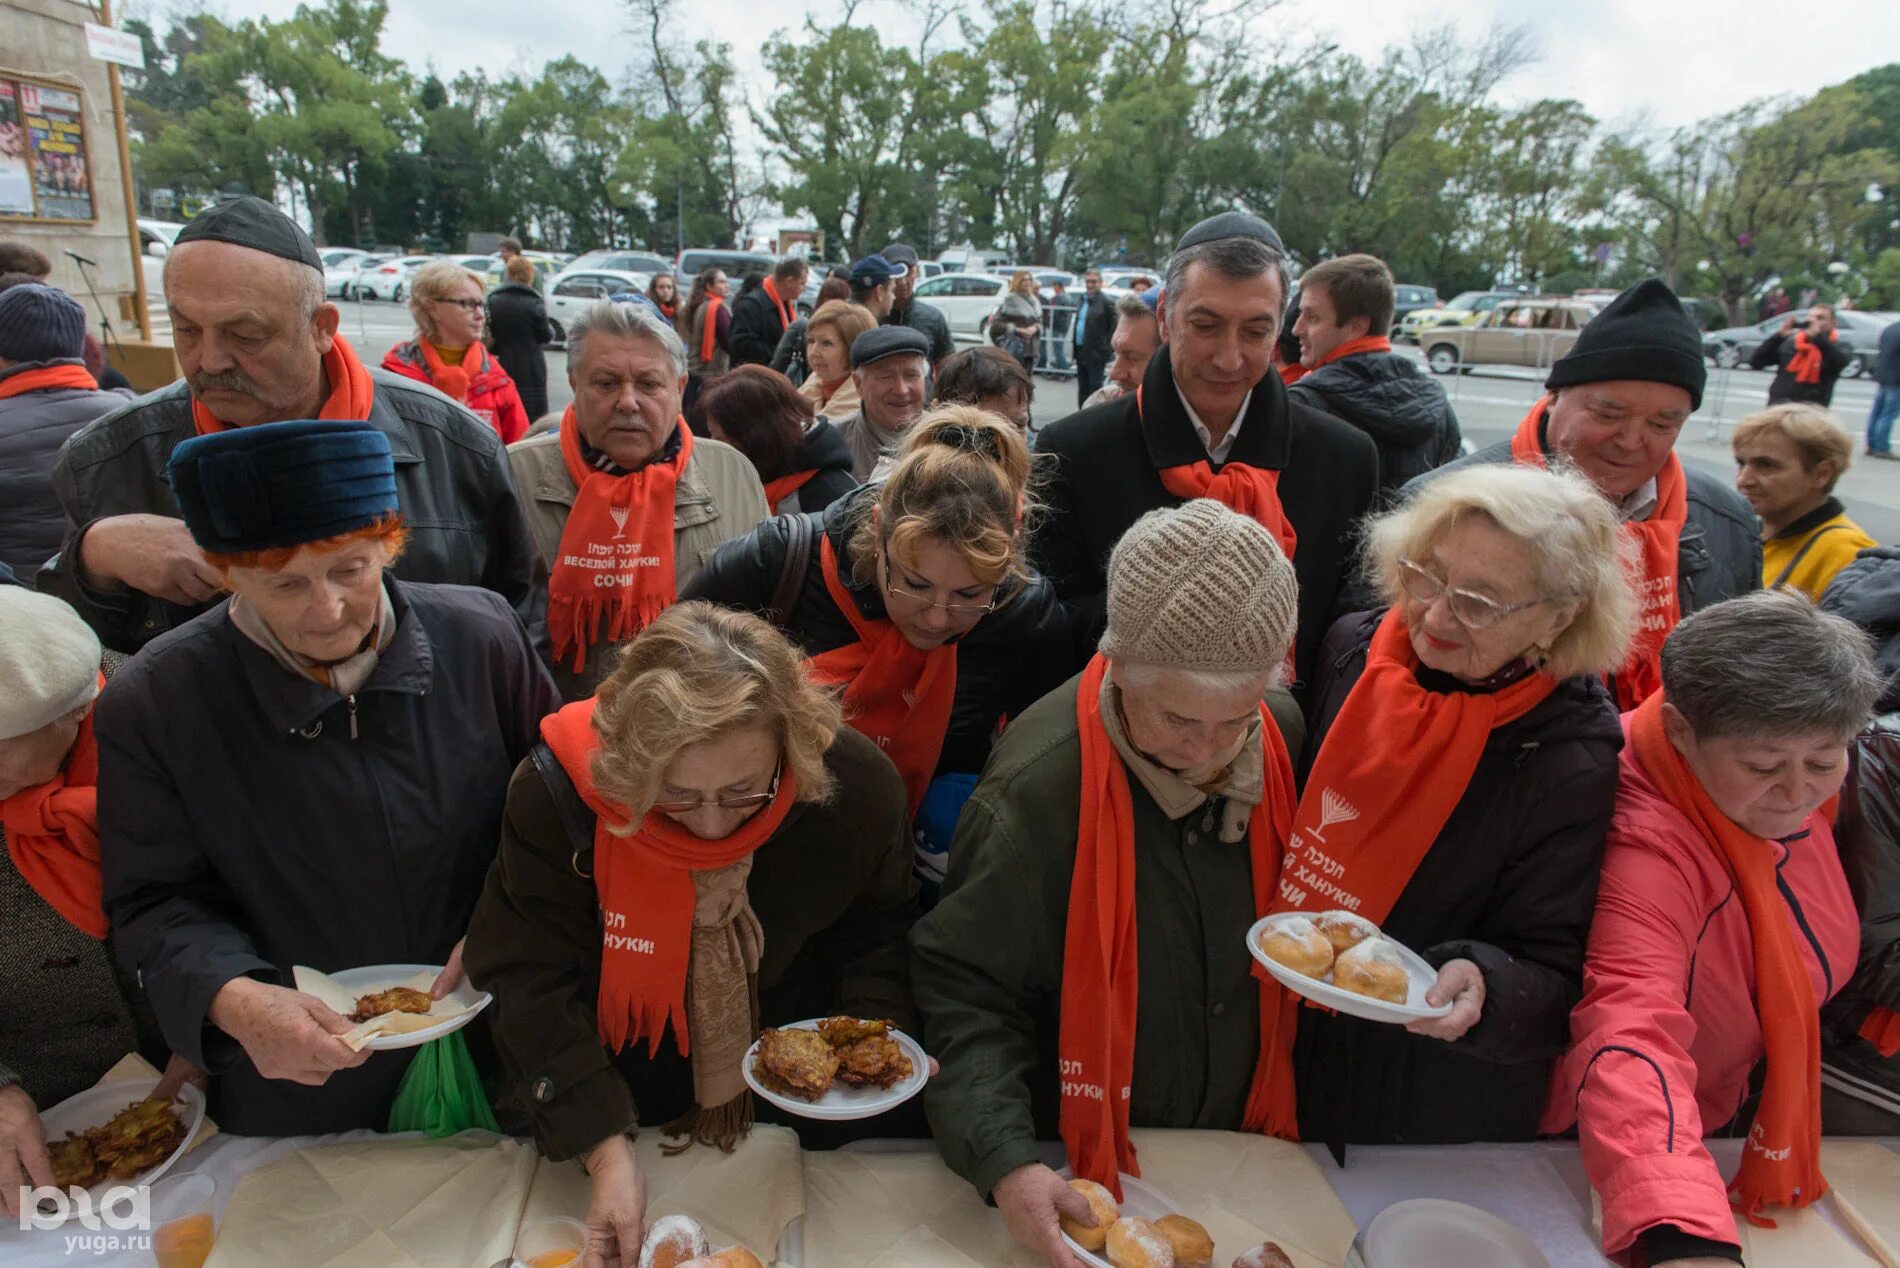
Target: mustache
column 229, row 381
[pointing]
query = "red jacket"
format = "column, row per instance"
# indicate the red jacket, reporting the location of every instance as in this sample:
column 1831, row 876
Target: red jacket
column 491, row 393
column 1666, row 1034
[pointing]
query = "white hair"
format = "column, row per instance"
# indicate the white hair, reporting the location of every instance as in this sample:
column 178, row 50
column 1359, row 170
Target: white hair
column 622, row 321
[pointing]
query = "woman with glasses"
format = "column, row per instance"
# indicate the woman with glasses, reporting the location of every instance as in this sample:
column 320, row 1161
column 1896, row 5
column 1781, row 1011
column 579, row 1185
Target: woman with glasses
column 447, row 352
column 700, row 849
column 914, row 597
column 1468, row 730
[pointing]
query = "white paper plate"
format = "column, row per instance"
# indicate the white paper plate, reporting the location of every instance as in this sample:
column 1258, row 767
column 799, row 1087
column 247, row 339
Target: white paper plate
column 380, row 977
column 844, row 1103
column 1431, row 1233
column 1322, row 991
column 1139, row 1201
column 97, row 1106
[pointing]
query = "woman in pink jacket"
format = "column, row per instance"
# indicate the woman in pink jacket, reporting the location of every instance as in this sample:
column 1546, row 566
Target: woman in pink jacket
column 1723, row 923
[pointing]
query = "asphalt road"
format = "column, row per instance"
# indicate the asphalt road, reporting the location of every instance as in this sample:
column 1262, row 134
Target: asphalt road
column 1490, row 404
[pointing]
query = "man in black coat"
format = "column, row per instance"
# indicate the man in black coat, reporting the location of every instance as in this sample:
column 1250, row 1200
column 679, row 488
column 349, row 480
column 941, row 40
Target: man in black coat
column 761, row 316
column 259, row 344
column 1807, row 360
column 312, row 773
column 1093, row 330
column 1210, row 399
column 907, row 310
column 518, row 322
column 1353, row 374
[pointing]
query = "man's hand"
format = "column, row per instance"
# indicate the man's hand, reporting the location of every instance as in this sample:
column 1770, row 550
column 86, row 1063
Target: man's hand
column 286, row 1034
column 153, row 554
column 23, row 1159
column 1787, row 324
column 617, row 1210
column 1032, row 1199
column 451, row 975
column 1461, row 984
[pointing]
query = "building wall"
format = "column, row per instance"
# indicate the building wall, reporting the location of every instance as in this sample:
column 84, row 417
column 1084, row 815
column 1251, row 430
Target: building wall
column 46, row 40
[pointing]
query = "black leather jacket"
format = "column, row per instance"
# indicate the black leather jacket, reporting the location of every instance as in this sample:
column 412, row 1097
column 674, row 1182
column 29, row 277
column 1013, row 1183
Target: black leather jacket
column 452, row 480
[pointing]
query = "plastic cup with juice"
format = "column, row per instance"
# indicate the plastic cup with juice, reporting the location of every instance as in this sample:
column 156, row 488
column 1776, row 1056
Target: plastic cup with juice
column 551, row 1243
column 184, row 1220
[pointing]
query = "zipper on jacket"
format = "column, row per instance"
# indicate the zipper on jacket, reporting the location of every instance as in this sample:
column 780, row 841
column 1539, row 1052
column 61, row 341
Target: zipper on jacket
column 352, row 717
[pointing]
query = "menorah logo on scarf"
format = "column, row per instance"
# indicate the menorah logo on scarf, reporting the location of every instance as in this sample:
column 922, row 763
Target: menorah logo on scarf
column 619, row 516
column 1333, row 809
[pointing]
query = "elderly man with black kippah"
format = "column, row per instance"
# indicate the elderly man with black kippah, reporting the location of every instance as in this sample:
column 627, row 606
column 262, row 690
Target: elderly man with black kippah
column 259, row 344
column 1210, row 418
column 891, row 367
column 311, row 773
column 1617, row 401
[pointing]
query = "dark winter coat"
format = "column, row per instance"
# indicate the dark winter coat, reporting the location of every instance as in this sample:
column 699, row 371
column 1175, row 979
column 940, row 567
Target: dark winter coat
column 1867, row 592
column 1106, row 474
column 1391, row 400
column 825, row 451
column 1719, row 553
column 1779, row 349
column 518, row 323
column 756, row 328
column 33, row 425
column 1098, row 329
column 466, row 525
column 833, row 893
column 1887, row 360
column 1014, row 655
column 251, row 820
column 1510, row 884
column 927, row 320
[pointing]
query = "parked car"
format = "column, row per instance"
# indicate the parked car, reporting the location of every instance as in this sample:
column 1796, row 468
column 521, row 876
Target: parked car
column 931, row 268
column 1122, row 279
column 1464, row 310
column 966, row 300
column 577, row 288
column 483, row 266
column 1860, row 331
column 693, row 261
column 388, row 279
column 617, row 258
column 1408, row 299
column 339, row 267
column 1523, row 332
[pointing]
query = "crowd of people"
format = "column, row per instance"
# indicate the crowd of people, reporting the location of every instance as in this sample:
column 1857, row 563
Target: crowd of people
column 785, row 673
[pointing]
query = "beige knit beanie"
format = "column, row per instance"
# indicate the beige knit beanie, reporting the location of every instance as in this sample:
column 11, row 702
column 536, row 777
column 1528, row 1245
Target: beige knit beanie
column 1200, row 587
column 49, row 661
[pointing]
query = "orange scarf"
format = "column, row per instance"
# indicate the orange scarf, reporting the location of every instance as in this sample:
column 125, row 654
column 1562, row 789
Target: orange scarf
column 46, row 378
column 1367, row 343
column 453, row 380
column 778, row 490
column 1805, row 364
column 1293, row 373
column 1252, row 491
column 1393, row 767
column 786, row 313
column 897, row 694
column 645, row 883
column 351, row 390
column 616, row 556
column 1657, row 539
column 1781, row 1164
column 709, row 333
column 53, row 835
column 1100, row 971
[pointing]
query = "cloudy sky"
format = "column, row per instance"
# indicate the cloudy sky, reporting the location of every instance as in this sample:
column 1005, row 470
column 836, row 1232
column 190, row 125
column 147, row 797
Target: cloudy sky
column 1664, row 62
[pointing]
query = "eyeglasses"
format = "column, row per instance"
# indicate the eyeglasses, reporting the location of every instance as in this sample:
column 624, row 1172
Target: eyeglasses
column 751, row 801
column 1471, row 609
column 915, row 604
column 466, row 305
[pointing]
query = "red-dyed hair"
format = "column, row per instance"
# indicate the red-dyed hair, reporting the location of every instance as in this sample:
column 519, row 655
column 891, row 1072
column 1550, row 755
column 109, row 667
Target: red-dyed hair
column 388, row 530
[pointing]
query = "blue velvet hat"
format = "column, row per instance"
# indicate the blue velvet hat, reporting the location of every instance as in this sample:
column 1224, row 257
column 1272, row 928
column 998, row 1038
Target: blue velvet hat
column 283, row 484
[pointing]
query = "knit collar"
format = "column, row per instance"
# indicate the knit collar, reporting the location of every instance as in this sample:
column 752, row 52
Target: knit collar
column 1263, row 432
column 294, row 703
column 1820, row 515
column 1242, row 783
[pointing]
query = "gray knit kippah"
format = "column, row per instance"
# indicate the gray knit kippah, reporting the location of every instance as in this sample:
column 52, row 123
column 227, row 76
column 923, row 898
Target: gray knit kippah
column 1200, row 587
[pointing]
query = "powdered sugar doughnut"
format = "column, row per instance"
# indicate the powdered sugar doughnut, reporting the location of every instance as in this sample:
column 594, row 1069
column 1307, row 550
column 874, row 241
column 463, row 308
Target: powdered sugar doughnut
column 1297, row 943
column 672, row 1240
column 1344, row 929
column 1265, row 1255
column 1136, row 1243
column 1373, row 968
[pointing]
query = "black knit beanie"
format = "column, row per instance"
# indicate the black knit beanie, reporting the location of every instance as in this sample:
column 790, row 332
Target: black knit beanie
column 1642, row 334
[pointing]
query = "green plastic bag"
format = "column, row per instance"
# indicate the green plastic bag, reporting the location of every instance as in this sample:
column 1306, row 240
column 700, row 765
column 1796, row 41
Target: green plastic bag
column 442, row 1093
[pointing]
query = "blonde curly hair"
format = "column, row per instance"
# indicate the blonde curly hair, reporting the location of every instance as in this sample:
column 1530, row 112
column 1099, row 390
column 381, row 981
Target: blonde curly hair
column 697, row 673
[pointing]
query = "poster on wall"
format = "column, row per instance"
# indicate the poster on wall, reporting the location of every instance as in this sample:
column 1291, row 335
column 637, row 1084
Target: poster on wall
column 16, row 183
column 56, row 133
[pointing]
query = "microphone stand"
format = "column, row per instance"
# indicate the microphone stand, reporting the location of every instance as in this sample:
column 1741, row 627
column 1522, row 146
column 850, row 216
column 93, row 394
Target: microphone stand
column 111, row 339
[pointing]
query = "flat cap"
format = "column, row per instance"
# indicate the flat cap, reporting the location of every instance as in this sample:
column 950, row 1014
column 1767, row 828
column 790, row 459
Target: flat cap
column 1231, row 224
column 901, row 253
column 254, row 223
column 887, row 341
